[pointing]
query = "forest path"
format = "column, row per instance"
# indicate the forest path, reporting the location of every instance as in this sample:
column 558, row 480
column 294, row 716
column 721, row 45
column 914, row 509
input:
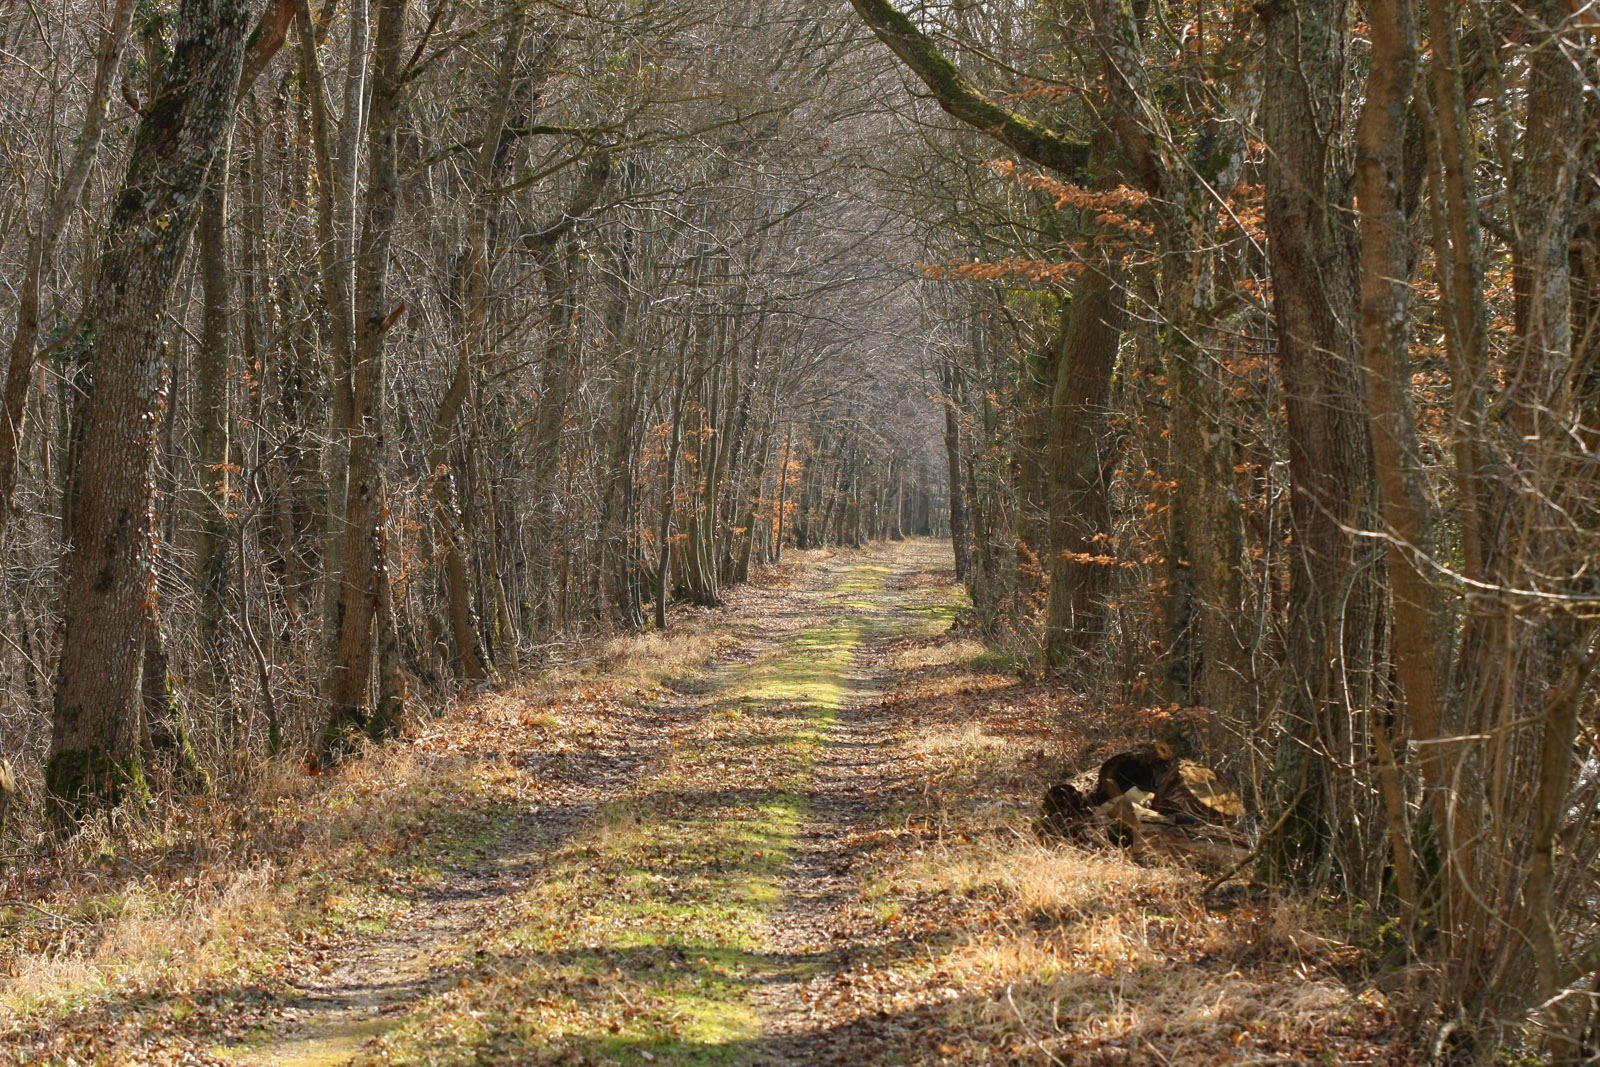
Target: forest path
column 793, row 830
column 698, row 863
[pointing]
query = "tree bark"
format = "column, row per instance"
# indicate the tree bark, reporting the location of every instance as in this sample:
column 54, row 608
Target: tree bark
column 94, row 746
column 1313, row 268
column 668, row 486
column 212, row 436
column 963, row 100
column 41, row 249
column 1419, row 640
column 363, row 588
column 959, row 540
column 1539, row 398
column 1079, row 421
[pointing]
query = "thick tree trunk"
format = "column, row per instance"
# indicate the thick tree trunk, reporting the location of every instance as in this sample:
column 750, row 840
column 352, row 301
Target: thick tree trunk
column 1079, row 422
column 1332, row 590
column 96, row 727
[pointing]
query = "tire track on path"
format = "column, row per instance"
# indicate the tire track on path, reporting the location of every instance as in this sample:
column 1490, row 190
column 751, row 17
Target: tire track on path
column 374, row 980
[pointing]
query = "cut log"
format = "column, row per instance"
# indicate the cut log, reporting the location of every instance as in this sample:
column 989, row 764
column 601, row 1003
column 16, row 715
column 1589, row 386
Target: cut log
column 1144, row 767
column 1195, row 790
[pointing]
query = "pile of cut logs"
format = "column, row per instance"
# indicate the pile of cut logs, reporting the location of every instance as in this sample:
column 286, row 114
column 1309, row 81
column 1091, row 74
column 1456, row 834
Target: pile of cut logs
column 1151, row 802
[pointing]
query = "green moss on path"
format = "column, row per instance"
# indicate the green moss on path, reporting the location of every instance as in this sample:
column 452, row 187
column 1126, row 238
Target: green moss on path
column 646, row 938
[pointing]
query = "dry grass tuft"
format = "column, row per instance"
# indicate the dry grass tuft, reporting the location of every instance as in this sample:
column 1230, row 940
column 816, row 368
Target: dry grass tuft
column 653, row 658
column 941, row 653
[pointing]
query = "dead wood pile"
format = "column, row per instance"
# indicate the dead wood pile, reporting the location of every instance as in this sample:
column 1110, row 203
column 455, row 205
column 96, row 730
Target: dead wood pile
column 1149, row 801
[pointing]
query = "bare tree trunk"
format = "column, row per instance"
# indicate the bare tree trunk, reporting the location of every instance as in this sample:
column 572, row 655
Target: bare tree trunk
column 1078, row 425
column 1332, row 594
column 664, row 537
column 618, row 570
column 336, row 198
column 214, row 369
column 952, row 451
column 363, row 585
column 752, row 507
column 1419, row 640
column 94, row 747
column 616, row 519
column 1031, row 466
column 165, row 734
column 212, row 444
column 458, row 588
column 783, row 495
column 1539, row 396
column 505, row 627
column 557, row 258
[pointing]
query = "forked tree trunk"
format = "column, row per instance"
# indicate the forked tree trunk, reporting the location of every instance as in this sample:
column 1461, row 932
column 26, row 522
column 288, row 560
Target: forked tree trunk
column 96, row 728
column 363, row 588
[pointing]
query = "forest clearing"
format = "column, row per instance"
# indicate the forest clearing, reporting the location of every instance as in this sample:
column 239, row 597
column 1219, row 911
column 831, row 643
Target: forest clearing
column 937, row 531
column 795, row 832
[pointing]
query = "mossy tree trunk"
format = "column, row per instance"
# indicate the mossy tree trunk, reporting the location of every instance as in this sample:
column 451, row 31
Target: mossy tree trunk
column 94, row 755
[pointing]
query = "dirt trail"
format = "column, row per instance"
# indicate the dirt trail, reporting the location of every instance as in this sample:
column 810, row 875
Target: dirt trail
column 813, row 849
column 374, row 981
column 859, row 771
